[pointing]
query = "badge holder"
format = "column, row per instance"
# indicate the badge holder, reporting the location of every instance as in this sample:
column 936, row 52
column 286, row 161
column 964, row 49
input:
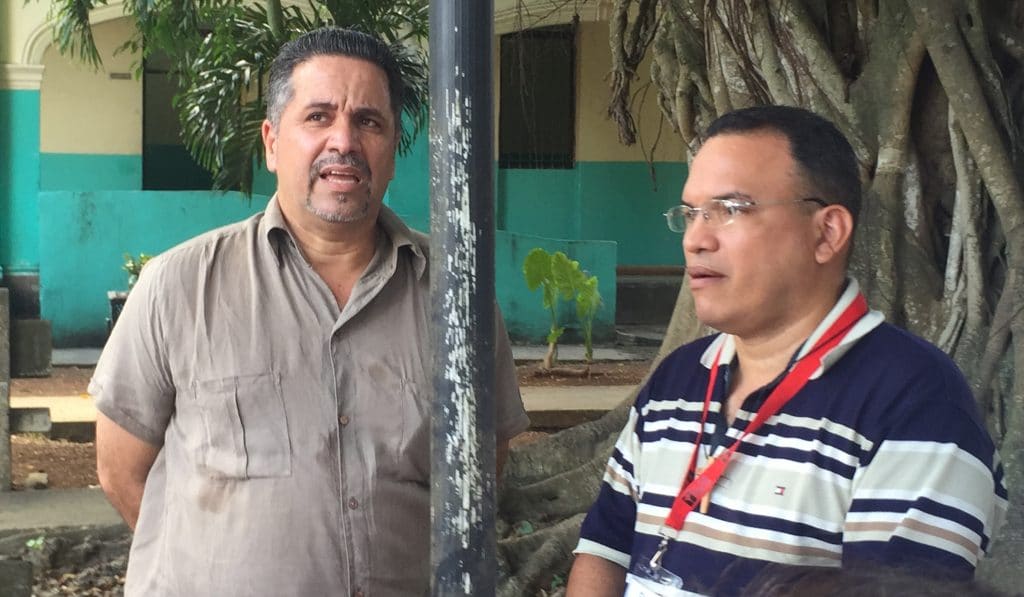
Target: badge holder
column 652, row 578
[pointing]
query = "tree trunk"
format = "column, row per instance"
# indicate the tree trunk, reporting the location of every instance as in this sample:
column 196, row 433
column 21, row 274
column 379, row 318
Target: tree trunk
column 931, row 96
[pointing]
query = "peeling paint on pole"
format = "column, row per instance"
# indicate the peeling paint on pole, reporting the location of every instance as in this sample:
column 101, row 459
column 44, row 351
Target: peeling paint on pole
column 462, row 296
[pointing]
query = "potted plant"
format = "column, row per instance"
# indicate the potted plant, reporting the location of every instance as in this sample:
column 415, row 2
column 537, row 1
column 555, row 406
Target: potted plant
column 133, row 265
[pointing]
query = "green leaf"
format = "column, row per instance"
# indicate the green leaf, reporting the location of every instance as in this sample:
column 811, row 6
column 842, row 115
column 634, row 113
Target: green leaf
column 220, row 51
column 537, row 268
column 588, row 299
column 562, row 271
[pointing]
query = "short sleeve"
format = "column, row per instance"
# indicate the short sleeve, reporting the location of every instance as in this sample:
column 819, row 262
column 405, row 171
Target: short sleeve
column 511, row 415
column 132, row 384
column 607, row 530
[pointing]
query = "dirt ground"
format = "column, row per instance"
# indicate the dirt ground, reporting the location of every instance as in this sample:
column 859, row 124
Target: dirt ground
column 70, row 464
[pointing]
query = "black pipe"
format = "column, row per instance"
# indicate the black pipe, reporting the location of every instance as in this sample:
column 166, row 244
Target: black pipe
column 462, row 297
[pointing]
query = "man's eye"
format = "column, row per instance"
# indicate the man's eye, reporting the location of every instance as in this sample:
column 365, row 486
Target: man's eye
column 316, row 117
column 690, row 214
column 370, row 122
column 731, row 208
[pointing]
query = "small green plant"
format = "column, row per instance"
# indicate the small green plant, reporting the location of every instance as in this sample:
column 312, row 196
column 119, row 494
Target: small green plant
column 557, row 582
column 133, row 265
column 524, row 528
column 36, row 543
column 561, row 278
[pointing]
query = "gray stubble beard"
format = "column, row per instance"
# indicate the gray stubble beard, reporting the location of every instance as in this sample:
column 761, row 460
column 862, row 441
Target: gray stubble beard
column 334, row 217
column 330, row 216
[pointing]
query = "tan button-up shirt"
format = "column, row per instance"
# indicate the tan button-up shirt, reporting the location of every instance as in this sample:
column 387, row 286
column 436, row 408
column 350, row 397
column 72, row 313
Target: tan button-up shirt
column 295, row 436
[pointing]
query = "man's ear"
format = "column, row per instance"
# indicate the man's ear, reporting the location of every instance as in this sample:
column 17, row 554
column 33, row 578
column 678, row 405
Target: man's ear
column 269, row 145
column 835, row 230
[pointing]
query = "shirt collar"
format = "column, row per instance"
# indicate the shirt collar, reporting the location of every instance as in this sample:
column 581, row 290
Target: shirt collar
column 860, row 329
column 275, row 229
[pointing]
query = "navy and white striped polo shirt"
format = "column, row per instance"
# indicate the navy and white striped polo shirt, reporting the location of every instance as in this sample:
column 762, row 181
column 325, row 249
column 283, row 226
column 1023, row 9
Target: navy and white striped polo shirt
column 882, row 456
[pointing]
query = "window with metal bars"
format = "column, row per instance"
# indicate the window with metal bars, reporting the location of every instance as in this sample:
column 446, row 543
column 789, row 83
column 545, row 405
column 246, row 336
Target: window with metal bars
column 537, row 104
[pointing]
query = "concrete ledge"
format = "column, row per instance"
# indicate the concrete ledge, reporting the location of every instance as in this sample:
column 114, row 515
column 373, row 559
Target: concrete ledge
column 559, row 407
column 47, row 508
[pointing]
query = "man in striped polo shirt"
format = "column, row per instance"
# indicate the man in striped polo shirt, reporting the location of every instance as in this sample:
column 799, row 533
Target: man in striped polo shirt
column 809, row 432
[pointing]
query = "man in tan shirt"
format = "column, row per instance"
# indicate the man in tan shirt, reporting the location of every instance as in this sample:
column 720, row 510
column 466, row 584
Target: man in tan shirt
column 264, row 400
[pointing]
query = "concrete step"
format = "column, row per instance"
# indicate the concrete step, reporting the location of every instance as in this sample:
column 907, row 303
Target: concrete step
column 645, row 299
column 560, row 407
column 631, row 336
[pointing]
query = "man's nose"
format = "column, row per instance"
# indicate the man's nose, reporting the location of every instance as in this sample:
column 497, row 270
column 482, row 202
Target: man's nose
column 343, row 137
column 699, row 236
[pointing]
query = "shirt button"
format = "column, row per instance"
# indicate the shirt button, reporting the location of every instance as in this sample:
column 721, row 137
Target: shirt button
column 343, row 419
column 353, row 503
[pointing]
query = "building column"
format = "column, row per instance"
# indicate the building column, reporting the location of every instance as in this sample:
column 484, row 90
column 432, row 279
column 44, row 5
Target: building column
column 19, row 186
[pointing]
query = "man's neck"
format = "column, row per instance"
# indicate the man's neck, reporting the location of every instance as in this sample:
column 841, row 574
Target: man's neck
column 762, row 357
column 337, row 253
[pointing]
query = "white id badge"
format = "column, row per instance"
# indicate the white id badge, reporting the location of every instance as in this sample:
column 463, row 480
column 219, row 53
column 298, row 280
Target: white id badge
column 637, row 586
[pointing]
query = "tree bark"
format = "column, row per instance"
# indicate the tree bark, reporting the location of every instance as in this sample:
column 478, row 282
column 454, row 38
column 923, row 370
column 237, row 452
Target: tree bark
column 931, row 96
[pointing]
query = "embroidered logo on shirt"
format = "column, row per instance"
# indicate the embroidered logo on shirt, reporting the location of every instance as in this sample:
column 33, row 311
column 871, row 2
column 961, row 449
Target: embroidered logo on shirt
column 780, row 490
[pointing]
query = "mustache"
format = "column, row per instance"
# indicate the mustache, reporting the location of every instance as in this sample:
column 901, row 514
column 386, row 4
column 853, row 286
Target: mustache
column 335, row 159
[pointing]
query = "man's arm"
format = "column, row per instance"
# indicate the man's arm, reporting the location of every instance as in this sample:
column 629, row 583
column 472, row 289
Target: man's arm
column 122, row 464
column 594, row 576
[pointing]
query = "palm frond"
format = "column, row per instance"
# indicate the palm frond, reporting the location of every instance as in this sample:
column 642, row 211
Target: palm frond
column 220, row 53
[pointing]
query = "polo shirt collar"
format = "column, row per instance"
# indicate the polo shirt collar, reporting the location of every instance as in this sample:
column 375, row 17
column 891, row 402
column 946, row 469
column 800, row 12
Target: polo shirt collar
column 864, row 325
column 394, row 228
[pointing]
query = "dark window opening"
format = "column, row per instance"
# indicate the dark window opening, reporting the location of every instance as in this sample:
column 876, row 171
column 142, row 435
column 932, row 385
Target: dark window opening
column 166, row 162
column 537, row 104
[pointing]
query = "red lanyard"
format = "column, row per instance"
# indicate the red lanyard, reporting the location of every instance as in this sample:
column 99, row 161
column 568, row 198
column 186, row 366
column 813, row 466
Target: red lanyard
column 693, row 491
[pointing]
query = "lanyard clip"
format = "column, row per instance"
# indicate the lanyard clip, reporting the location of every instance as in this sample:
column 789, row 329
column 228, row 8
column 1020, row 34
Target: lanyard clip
column 655, row 562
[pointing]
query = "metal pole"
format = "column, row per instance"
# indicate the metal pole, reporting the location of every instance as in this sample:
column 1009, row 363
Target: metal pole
column 462, row 297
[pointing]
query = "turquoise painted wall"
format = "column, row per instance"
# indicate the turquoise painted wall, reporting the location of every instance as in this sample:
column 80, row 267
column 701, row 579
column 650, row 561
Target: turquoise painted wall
column 615, row 201
column 409, row 192
column 542, row 202
column 525, row 316
column 92, row 172
column 84, row 236
column 19, row 180
column 621, row 202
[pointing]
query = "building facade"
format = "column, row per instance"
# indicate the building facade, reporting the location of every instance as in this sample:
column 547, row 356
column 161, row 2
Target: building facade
column 91, row 167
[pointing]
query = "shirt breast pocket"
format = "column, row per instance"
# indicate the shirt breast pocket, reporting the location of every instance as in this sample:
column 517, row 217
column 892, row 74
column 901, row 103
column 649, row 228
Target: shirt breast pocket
column 245, row 430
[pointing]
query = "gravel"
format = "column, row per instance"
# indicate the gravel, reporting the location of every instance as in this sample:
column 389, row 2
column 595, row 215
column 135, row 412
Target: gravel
column 76, row 561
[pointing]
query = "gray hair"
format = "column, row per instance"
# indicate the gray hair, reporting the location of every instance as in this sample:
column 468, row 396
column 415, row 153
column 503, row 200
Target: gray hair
column 331, row 41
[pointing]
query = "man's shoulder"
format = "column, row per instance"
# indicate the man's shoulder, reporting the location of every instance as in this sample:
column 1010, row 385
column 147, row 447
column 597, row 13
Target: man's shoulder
column 677, row 374
column 902, row 374
column 888, row 342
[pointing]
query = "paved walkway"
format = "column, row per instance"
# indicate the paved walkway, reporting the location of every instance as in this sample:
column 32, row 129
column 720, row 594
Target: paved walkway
column 537, row 399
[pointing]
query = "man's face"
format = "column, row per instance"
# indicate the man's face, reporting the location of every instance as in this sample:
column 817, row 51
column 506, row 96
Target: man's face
column 334, row 149
column 749, row 277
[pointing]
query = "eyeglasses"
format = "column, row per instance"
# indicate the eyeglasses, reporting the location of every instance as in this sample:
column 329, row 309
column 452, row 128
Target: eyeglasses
column 722, row 211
